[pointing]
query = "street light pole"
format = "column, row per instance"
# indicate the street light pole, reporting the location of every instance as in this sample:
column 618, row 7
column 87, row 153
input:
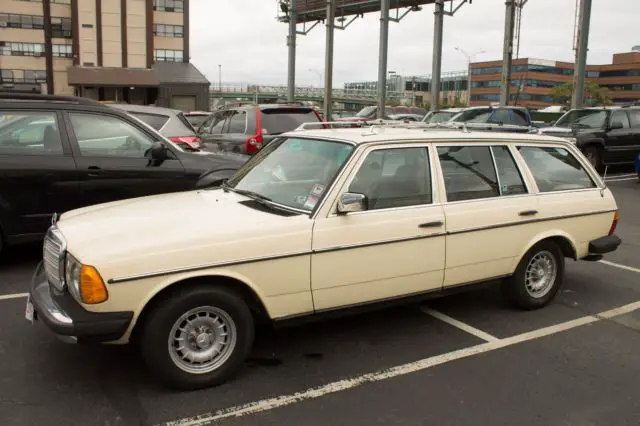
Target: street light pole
column 469, row 59
column 220, row 77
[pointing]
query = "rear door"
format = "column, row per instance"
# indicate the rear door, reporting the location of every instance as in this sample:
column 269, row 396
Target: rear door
column 620, row 147
column 234, row 132
column 38, row 175
column 211, row 131
column 113, row 158
column 634, row 137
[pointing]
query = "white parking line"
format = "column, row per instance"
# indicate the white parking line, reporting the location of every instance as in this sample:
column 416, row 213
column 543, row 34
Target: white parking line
column 622, row 175
column 459, row 324
column 13, row 296
column 617, row 265
column 621, row 179
column 400, row 370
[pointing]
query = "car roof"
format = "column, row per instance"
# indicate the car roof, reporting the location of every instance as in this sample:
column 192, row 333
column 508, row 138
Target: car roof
column 375, row 134
column 151, row 109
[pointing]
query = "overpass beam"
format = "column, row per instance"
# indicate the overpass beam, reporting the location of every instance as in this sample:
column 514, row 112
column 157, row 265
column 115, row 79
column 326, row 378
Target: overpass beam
column 382, row 57
column 507, row 51
column 328, row 60
column 291, row 43
column 437, row 55
column 581, row 54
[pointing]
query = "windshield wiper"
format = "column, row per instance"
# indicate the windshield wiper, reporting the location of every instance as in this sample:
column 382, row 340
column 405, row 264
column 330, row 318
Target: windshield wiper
column 251, row 194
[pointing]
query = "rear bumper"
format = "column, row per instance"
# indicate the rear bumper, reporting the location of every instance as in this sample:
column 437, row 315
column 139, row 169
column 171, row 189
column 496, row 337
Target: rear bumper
column 604, row 245
column 69, row 320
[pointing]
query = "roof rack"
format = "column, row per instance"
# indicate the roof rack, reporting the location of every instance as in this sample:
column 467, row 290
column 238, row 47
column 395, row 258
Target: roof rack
column 331, row 125
column 47, row 98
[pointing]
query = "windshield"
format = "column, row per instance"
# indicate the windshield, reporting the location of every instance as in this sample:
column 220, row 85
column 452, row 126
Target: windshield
column 292, row 172
column 439, row 117
column 366, row 112
column 583, row 118
column 476, row 115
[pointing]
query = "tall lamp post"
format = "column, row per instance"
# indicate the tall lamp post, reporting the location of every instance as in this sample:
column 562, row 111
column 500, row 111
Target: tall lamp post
column 469, row 60
column 220, row 77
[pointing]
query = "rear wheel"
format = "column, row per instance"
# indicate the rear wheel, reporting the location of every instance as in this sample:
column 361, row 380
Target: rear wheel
column 538, row 277
column 198, row 337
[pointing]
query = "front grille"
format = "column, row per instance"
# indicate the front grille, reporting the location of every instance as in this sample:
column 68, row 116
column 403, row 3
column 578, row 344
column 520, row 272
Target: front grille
column 53, row 255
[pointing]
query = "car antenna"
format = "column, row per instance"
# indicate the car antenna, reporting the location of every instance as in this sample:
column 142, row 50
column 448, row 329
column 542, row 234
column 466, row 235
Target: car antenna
column 604, row 180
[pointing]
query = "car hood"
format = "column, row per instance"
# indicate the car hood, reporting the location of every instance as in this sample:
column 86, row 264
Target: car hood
column 180, row 230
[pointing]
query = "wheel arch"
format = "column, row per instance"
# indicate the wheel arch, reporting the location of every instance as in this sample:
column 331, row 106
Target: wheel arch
column 562, row 239
column 232, row 283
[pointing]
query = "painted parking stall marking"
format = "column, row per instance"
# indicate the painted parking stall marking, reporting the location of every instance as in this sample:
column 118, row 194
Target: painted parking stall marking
column 400, row 370
column 13, row 296
column 459, row 324
column 617, row 265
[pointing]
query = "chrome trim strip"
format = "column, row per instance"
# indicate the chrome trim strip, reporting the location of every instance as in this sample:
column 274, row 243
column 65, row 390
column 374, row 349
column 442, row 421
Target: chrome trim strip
column 495, row 168
column 117, row 280
column 525, row 222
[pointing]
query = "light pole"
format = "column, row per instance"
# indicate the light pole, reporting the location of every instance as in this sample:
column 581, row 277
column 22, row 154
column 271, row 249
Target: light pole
column 469, row 59
column 220, row 77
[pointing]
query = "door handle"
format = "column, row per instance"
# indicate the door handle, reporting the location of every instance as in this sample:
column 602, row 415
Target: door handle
column 435, row 224
column 94, row 171
column 528, row 213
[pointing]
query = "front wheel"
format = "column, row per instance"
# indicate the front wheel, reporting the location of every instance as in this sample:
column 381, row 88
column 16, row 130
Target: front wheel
column 197, row 338
column 537, row 278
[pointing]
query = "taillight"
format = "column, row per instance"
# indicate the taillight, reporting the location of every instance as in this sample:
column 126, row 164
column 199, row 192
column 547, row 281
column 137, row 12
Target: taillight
column 616, row 217
column 193, row 141
column 254, row 143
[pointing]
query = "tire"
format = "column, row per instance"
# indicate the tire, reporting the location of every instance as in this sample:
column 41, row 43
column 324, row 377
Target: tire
column 594, row 155
column 160, row 337
column 520, row 289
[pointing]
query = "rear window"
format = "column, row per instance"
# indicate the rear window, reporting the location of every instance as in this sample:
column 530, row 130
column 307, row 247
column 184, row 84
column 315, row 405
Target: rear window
column 184, row 121
column 196, row 120
column 280, row 120
column 154, row 120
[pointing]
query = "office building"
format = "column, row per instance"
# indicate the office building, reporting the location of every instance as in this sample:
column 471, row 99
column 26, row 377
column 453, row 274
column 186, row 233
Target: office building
column 533, row 80
column 134, row 51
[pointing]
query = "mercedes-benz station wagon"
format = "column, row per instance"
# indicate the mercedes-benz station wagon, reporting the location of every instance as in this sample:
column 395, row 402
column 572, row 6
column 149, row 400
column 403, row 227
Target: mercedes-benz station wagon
column 319, row 221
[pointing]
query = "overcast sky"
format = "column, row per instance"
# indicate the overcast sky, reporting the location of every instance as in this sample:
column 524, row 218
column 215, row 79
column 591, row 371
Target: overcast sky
column 245, row 38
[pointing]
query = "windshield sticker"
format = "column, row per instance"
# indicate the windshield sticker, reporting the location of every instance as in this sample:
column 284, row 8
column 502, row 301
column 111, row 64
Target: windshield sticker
column 317, row 190
column 311, row 202
column 301, row 199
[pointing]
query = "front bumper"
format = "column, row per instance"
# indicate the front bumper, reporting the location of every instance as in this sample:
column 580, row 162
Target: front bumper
column 67, row 319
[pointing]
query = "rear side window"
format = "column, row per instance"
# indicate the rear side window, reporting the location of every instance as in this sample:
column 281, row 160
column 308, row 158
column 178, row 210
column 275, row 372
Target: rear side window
column 634, row 114
column 280, row 120
column 520, row 118
column 509, row 177
column 468, row 172
column 154, row 120
column 621, row 118
column 29, row 133
column 555, row 169
column 237, row 123
column 184, row 121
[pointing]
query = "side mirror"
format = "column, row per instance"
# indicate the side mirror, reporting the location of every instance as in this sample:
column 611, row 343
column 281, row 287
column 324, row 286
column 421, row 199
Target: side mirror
column 350, row 202
column 158, row 151
column 615, row 125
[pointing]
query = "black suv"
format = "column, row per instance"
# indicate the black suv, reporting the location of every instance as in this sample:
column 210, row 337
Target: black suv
column 247, row 128
column 60, row 153
column 606, row 135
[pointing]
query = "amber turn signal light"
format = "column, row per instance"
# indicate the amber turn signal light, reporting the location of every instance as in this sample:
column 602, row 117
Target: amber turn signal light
column 92, row 288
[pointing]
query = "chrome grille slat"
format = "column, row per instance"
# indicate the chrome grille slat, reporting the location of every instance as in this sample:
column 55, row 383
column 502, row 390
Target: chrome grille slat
column 53, row 250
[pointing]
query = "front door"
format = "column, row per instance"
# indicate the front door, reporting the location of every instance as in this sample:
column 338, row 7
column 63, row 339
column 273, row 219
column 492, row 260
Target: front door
column 395, row 247
column 113, row 158
column 619, row 139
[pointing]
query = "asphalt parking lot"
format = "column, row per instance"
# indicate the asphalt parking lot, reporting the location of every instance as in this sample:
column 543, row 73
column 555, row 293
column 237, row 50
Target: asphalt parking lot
column 461, row 360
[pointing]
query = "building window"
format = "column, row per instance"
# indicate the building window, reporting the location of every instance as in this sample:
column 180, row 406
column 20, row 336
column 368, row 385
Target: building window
column 168, row 5
column 61, row 1
column 87, row 25
column 162, row 55
column 62, row 50
column 28, row 22
column 61, row 27
column 23, row 76
column 165, row 30
column 21, row 49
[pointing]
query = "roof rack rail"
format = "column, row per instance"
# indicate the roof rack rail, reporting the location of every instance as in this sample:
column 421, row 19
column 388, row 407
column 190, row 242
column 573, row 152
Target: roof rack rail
column 50, row 98
column 329, row 124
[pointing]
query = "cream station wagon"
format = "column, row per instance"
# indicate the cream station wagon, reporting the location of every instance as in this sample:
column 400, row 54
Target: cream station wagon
column 319, row 221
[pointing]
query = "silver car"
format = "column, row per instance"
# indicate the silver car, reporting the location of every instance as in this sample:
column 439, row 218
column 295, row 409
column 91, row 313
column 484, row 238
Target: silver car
column 171, row 123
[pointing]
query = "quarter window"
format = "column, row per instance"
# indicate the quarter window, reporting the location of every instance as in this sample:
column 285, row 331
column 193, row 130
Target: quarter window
column 29, row 133
column 555, row 169
column 395, row 177
column 105, row 136
column 468, row 172
column 635, row 117
column 620, row 117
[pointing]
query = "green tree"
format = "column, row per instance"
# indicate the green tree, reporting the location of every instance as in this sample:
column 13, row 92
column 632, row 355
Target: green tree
column 593, row 93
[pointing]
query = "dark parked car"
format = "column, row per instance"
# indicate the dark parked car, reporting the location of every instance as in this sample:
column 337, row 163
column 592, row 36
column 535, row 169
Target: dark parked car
column 247, row 128
column 371, row 112
column 61, row 153
column 606, row 135
column 172, row 123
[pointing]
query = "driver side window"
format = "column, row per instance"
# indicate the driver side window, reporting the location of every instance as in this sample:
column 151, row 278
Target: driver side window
column 106, row 136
